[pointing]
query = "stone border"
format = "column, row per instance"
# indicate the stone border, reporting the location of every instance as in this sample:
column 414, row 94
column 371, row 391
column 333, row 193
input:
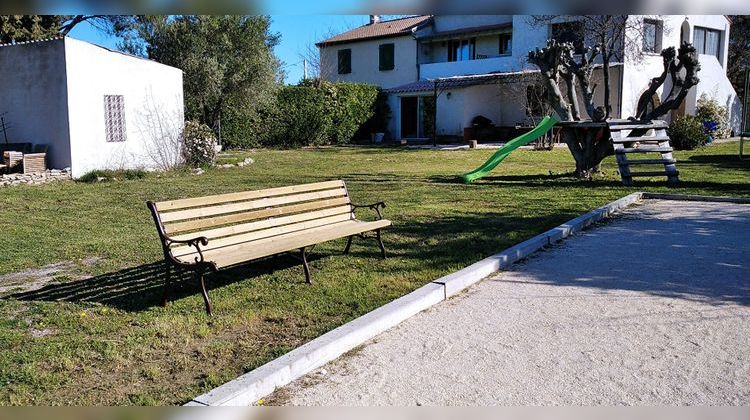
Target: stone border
column 252, row 386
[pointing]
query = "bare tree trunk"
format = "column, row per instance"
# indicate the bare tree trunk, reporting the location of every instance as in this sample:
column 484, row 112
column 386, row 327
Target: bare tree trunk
column 589, row 146
column 605, row 73
column 569, row 78
column 688, row 60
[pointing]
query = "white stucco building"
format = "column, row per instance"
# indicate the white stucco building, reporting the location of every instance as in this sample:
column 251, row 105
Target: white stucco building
column 95, row 108
column 479, row 63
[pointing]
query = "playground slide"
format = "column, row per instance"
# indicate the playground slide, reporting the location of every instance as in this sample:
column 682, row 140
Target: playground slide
column 546, row 125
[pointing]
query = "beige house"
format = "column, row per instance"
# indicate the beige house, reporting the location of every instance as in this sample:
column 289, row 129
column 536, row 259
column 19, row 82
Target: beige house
column 475, row 65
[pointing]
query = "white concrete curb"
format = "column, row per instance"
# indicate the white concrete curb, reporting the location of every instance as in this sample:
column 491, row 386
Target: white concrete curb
column 252, row 386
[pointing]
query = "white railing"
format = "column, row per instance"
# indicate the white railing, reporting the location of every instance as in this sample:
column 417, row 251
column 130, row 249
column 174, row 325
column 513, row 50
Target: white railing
column 469, row 67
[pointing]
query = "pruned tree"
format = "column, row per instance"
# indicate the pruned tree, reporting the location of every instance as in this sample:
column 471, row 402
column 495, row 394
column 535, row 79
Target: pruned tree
column 550, row 62
column 584, row 71
column 613, row 37
column 683, row 68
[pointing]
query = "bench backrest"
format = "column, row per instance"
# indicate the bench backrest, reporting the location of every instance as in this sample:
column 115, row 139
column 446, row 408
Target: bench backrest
column 251, row 215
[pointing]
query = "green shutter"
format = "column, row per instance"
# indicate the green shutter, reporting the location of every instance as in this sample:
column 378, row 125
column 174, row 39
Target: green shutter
column 386, row 57
column 345, row 61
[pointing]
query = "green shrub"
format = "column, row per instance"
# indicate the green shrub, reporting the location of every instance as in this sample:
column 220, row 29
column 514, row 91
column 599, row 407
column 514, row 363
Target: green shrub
column 686, row 133
column 199, row 144
column 708, row 109
column 311, row 114
column 106, row 175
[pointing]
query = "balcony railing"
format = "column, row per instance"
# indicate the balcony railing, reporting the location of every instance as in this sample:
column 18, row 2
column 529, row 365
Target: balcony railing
column 469, row 67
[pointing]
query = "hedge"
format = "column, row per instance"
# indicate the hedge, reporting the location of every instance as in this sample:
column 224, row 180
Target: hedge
column 331, row 113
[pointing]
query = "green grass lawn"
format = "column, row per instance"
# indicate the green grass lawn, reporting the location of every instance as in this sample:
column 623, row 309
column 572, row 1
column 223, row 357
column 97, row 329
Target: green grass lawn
column 96, row 335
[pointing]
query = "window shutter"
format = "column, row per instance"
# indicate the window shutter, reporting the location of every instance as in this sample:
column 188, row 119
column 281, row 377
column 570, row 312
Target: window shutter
column 386, row 57
column 345, row 61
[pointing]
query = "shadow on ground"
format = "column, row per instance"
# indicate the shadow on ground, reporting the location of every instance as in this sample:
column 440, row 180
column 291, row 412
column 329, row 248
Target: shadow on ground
column 718, row 161
column 140, row 288
column 696, row 257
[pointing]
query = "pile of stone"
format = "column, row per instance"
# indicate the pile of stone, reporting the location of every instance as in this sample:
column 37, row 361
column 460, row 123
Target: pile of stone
column 245, row 162
column 36, row 178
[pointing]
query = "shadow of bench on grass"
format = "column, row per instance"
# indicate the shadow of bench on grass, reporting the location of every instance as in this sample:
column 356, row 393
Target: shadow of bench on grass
column 140, row 288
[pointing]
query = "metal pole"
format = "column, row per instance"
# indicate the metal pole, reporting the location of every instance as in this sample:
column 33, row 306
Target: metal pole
column 304, row 69
column 744, row 113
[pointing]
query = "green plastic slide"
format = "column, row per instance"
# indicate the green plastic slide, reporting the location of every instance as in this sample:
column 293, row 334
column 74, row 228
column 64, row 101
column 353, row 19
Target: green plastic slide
column 547, row 123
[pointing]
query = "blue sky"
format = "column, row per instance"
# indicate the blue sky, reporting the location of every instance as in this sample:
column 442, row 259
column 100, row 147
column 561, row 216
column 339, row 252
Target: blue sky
column 297, row 33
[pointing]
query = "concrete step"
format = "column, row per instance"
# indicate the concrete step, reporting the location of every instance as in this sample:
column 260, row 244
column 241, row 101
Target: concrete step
column 644, row 149
column 651, row 161
column 642, row 139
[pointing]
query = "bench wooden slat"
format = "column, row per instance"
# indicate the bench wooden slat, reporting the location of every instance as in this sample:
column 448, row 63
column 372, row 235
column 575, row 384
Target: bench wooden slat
column 196, row 224
column 245, row 195
column 194, row 213
column 267, row 223
column 252, row 237
column 227, row 256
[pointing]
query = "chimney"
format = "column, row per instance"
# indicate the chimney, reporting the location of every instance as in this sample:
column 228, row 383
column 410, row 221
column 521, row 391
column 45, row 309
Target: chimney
column 374, row 19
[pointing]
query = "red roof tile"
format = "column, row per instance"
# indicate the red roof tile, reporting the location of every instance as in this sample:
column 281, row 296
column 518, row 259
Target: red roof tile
column 382, row 29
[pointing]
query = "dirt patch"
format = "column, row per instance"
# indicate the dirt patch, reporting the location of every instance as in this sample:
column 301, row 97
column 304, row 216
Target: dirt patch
column 36, row 278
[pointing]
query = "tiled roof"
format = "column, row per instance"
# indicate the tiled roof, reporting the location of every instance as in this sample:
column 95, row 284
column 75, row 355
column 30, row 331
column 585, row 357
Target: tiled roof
column 382, row 29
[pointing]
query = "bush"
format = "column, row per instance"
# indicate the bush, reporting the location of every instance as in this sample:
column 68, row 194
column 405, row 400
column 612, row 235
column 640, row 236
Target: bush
column 686, row 133
column 312, row 114
column 200, row 144
column 708, row 110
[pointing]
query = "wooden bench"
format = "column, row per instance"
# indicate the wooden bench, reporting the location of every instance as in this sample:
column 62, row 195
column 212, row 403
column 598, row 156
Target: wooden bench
column 214, row 232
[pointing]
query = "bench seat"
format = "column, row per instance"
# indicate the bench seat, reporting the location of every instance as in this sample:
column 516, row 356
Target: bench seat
column 237, row 253
column 219, row 231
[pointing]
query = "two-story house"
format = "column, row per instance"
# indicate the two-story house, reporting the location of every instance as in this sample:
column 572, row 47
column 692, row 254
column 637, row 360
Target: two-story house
column 456, row 67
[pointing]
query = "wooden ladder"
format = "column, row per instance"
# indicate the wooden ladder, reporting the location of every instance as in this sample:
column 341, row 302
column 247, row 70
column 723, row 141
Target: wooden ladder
column 636, row 137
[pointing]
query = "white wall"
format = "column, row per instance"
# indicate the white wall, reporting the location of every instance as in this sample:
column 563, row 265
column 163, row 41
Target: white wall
column 365, row 62
column 34, row 95
column 150, row 90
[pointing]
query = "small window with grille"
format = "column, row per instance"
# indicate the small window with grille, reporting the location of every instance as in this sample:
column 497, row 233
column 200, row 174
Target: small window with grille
column 114, row 118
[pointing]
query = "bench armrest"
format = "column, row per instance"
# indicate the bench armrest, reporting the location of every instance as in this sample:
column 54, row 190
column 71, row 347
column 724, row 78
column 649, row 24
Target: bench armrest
column 375, row 206
column 194, row 242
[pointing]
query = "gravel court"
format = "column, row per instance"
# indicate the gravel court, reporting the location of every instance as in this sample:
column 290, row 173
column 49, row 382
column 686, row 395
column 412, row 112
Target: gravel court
column 648, row 308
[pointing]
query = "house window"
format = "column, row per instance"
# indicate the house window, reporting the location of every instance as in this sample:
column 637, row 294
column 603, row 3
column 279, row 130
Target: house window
column 386, row 57
column 572, row 32
column 114, row 118
column 345, row 61
column 506, row 43
column 707, row 41
column 461, row 49
column 652, row 32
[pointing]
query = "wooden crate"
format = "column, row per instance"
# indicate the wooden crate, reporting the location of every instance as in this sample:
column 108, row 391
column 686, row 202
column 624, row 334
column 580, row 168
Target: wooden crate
column 12, row 160
column 34, row 162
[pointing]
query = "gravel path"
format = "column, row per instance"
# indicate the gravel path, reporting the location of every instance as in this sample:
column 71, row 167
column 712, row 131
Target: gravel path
column 652, row 307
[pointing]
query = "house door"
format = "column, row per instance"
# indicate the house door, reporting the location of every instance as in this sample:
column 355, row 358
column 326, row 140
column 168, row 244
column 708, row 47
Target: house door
column 409, row 117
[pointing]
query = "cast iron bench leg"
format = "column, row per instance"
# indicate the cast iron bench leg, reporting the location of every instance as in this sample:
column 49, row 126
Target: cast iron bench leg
column 348, row 245
column 305, row 267
column 199, row 275
column 167, row 282
column 380, row 243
